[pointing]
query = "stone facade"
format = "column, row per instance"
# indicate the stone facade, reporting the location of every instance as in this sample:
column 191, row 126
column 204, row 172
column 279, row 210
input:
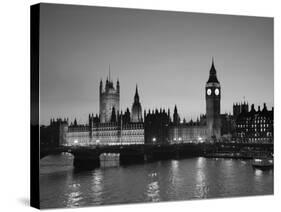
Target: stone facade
column 187, row 133
column 117, row 134
column 78, row 135
column 111, row 133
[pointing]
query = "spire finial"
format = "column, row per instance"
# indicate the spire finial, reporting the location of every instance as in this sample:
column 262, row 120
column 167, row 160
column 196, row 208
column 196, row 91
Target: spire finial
column 109, row 72
column 136, row 94
column 212, row 76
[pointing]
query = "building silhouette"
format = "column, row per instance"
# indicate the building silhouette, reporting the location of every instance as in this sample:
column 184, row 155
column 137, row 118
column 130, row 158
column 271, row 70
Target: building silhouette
column 54, row 135
column 255, row 126
column 112, row 126
column 227, row 127
column 156, row 125
column 238, row 108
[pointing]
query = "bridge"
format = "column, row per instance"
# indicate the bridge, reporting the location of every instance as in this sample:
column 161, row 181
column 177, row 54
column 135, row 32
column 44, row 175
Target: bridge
column 89, row 156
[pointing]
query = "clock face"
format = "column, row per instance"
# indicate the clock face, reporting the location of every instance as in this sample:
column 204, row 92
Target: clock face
column 217, row 91
column 209, row 91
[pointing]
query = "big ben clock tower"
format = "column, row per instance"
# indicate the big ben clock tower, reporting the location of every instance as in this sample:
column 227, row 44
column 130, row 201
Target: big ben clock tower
column 213, row 98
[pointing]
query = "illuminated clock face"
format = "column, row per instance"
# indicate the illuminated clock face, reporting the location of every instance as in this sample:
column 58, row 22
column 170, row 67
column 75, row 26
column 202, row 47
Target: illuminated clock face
column 209, row 91
column 217, row 91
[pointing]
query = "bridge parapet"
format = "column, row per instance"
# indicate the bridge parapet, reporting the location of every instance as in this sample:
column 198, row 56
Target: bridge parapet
column 89, row 156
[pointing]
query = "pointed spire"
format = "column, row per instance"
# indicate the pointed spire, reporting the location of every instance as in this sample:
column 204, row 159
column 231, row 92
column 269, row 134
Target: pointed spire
column 113, row 115
column 175, row 110
column 213, row 69
column 213, row 73
column 136, row 98
column 118, row 85
column 137, row 93
column 100, row 85
column 264, row 107
column 109, row 73
column 176, row 117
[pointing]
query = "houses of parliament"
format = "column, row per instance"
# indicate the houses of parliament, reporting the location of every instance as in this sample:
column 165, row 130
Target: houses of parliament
column 113, row 126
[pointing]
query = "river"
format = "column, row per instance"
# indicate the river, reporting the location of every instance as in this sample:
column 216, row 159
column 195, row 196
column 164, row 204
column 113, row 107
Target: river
column 170, row 180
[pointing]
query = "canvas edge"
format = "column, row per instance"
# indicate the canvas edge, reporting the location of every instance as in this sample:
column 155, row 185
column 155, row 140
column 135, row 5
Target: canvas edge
column 34, row 106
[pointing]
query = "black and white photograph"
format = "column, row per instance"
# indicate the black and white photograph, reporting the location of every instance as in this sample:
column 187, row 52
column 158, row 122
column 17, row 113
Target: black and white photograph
column 141, row 106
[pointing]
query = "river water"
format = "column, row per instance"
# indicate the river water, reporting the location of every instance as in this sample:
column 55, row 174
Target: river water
column 194, row 178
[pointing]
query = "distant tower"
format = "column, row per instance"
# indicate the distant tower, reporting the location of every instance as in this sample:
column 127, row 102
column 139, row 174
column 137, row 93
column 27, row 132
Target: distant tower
column 244, row 107
column 109, row 99
column 136, row 108
column 176, row 118
column 213, row 98
column 113, row 115
column 236, row 110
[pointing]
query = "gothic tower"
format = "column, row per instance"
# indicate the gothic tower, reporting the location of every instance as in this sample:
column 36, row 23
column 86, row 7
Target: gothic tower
column 176, row 117
column 213, row 98
column 136, row 108
column 109, row 99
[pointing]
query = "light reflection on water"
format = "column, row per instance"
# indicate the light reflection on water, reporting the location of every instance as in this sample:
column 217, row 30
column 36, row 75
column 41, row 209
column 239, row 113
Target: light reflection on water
column 62, row 186
column 258, row 173
column 97, row 186
column 202, row 187
column 153, row 192
column 73, row 199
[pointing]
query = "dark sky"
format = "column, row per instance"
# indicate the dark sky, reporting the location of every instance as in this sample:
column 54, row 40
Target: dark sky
column 168, row 54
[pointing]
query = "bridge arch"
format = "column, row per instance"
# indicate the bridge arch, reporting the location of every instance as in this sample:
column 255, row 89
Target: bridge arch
column 44, row 152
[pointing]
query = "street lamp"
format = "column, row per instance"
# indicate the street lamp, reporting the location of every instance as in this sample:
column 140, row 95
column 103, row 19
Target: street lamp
column 97, row 141
column 200, row 139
